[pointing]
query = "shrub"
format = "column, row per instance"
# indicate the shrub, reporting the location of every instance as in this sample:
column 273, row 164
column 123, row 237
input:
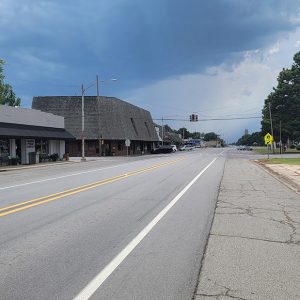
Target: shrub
column 54, row 157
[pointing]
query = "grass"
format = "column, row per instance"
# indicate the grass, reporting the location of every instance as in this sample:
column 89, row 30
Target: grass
column 264, row 150
column 288, row 161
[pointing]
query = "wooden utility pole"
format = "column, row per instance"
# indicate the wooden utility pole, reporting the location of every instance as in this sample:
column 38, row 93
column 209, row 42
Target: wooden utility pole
column 82, row 124
column 270, row 113
column 98, row 116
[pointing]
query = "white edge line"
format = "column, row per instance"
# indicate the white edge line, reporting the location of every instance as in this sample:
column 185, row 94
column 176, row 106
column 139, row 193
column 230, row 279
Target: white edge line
column 97, row 281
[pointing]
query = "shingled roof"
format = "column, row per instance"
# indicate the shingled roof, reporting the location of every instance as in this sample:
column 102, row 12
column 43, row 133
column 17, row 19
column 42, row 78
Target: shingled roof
column 109, row 118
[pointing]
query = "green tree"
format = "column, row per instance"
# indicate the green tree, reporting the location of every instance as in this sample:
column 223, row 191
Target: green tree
column 7, row 95
column 210, row 136
column 184, row 132
column 256, row 138
column 284, row 101
column 196, row 135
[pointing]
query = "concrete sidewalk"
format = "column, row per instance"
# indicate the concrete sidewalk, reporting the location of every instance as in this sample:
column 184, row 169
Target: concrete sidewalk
column 253, row 250
column 40, row 165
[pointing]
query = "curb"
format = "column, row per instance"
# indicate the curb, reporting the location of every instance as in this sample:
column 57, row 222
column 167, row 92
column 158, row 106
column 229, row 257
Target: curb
column 281, row 178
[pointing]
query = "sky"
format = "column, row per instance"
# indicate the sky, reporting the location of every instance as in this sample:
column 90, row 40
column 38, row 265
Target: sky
column 216, row 58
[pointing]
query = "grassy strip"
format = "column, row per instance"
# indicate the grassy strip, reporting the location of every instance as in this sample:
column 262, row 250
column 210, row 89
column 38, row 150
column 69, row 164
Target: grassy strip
column 288, row 161
column 264, row 150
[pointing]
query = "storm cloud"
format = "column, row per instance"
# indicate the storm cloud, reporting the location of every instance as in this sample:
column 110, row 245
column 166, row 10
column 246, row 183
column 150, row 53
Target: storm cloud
column 51, row 47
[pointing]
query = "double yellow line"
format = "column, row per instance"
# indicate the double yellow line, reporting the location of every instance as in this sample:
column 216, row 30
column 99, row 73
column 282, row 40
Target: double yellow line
column 38, row 201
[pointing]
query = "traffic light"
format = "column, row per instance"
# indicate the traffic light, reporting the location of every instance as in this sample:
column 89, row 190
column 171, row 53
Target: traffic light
column 193, row 118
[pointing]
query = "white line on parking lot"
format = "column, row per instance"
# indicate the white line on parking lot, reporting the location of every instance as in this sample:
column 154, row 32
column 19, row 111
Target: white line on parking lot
column 97, row 281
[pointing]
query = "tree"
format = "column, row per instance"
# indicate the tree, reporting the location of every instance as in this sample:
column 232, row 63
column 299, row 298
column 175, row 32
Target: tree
column 184, row 133
column 210, row 136
column 255, row 138
column 7, row 96
column 284, row 101
column 196, row 135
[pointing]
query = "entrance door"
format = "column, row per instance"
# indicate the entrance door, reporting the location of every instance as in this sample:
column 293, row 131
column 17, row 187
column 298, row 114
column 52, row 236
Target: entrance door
column 18, row 150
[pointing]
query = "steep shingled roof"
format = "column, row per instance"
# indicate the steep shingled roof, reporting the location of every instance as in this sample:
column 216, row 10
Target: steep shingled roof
column 109, row 118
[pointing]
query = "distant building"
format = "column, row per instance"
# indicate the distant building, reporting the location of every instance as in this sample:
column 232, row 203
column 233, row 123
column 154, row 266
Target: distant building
column 108, row 123
column 24, row 131
column 246, row 132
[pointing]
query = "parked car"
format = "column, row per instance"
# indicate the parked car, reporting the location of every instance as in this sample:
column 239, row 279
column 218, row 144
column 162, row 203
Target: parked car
column 186, row 148
column 162, row 149
column 246, row 148
column 241, row 147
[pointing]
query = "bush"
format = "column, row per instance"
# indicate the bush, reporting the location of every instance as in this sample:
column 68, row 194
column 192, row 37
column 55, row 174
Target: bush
column 54, row 157
column 14, row 161
column 298, row 147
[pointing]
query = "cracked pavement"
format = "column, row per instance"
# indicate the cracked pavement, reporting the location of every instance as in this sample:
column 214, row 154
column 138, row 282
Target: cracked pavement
column 253, row 251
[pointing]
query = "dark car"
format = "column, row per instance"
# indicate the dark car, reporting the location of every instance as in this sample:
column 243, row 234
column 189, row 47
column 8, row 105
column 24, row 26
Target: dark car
column 162, row 149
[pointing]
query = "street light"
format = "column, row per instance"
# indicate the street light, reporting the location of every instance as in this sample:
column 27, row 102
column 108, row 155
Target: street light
column 98, row 119
column 82, row 120
column 82, row 112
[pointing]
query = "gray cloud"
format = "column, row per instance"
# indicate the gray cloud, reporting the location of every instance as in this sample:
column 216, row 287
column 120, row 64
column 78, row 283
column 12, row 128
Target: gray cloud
column 140, row 42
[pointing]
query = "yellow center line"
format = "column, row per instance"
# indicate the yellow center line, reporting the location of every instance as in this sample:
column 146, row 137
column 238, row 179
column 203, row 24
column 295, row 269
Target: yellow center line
column 38, row 201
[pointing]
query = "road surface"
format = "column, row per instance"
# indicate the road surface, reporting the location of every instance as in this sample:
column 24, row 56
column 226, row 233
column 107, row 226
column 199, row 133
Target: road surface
column 115, row 228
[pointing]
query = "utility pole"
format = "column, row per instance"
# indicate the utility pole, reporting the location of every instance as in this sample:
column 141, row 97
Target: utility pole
column 98, row 117
column 82, row 124
column 97, row 85
column 162, row 130
column 271, row 126
column 280, row 137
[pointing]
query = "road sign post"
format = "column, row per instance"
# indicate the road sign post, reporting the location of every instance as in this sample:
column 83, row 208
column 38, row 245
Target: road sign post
column 127, row 144
column 268, row 141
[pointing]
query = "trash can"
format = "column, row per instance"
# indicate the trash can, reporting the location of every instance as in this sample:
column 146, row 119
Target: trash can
column 32, row 158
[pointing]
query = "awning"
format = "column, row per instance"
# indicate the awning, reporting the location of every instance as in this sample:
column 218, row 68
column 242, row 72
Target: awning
column 8, row 130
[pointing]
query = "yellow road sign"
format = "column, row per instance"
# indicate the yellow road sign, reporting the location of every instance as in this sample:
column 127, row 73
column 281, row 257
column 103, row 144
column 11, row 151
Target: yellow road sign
column 268, row 139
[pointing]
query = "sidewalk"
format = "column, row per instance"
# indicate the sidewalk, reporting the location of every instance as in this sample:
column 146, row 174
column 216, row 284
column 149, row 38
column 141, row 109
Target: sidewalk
column 253, row 250
column 40, row 165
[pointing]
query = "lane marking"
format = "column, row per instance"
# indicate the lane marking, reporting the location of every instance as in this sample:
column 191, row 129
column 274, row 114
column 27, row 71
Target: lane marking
column 4, row 211
column 64, row 176
column 223, row 152
column 97, row 281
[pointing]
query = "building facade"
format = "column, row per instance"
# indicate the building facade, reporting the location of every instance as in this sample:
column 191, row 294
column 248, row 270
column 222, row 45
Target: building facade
column 108, row 121
column 26, row 131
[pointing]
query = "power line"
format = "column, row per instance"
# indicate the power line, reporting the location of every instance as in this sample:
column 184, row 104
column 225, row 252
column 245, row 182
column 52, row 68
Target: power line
column 211, row 119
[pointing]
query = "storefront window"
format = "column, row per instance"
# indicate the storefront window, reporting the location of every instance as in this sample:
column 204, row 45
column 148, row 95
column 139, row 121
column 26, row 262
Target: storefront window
column 4, row 147
column 42, row 146
column 120, row 146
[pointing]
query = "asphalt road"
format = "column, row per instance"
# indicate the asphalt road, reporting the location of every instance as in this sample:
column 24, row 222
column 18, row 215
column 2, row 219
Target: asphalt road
column 115, row 228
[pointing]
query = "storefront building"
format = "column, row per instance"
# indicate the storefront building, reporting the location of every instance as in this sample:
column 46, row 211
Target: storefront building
column 30, row 136
column 112, row 126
